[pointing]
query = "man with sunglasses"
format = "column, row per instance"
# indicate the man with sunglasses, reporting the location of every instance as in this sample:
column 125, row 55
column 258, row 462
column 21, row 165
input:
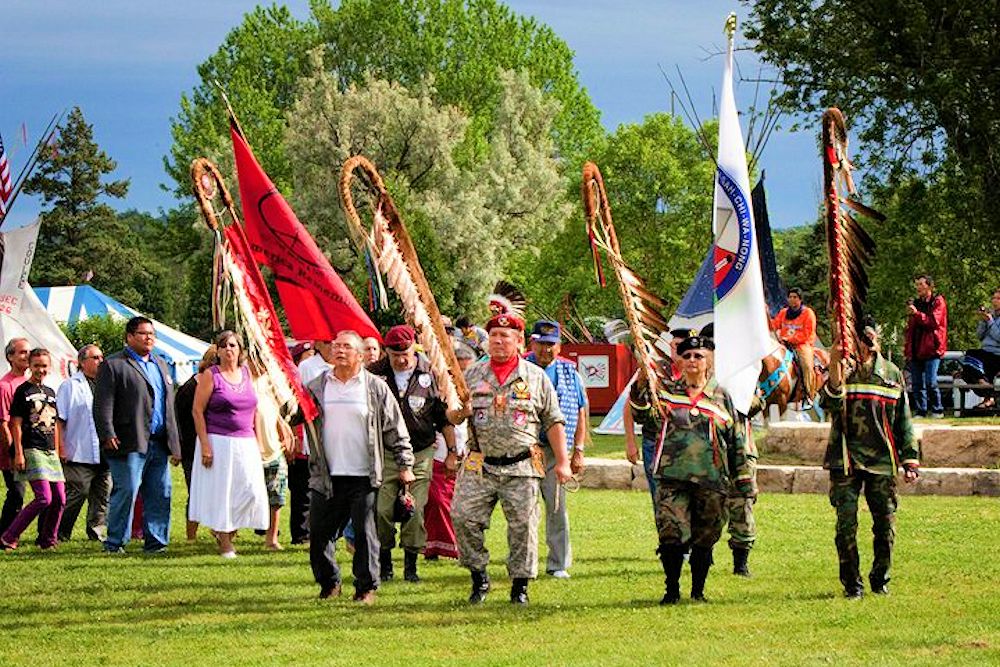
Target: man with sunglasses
column 411, row 382
column 871, row 437
column 703, row 454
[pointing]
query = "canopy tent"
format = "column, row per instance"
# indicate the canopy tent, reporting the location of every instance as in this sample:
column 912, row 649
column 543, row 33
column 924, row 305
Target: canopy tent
column 69, row 304
column 33, row 323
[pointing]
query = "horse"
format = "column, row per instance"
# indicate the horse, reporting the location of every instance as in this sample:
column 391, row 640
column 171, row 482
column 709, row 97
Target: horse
column 779, row 382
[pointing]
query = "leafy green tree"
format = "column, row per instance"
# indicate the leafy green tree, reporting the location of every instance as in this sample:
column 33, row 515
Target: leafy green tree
column 467, row 220
column 104, row 330
column 659, row 181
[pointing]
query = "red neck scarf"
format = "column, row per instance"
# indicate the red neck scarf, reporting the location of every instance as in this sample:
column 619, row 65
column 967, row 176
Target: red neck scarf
column 503, row 369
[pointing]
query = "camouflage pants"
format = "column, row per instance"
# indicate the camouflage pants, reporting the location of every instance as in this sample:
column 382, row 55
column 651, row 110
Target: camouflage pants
column 475, row 498
column 689, row 514
column 739, row 511
column 880, row 493
column 412, row 534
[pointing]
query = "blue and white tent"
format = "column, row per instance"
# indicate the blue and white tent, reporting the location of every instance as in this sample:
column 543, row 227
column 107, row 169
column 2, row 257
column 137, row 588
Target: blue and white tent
column 69, row 304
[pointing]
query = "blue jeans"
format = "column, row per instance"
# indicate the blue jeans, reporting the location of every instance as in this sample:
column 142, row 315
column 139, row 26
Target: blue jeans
column 649, row 465
column 148, row 474
column 924, row 374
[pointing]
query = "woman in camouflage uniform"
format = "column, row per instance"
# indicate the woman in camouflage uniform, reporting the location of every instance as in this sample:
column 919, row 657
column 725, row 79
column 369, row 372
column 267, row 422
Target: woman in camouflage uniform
column 702, row 453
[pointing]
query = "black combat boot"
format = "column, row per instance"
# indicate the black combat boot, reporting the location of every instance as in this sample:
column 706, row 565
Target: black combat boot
column 480, row 586
column 519, row 591
column 410, row 566
column 672, row 558
column 740, row 565
column 385, row 565
column 701, row 561
column 851, row 579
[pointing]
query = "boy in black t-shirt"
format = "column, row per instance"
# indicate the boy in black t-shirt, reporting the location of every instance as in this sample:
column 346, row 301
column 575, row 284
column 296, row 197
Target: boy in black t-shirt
column 37, row 446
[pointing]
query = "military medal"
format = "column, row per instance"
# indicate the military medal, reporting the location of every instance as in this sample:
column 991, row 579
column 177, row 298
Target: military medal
column 695, row 412
column 520, row 391
column 500, row 403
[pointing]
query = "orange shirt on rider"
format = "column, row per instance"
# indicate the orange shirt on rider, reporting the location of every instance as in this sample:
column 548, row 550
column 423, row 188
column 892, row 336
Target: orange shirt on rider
column 798, row 331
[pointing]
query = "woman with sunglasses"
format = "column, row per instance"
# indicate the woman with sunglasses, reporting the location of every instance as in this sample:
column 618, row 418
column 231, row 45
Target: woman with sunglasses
column 701, row 451
column 227, row 485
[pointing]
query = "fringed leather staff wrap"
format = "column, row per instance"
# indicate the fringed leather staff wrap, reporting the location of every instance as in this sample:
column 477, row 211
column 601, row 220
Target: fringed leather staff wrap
column 850, row 247
column 237, row 281
column 393, row 253
column 642, row 307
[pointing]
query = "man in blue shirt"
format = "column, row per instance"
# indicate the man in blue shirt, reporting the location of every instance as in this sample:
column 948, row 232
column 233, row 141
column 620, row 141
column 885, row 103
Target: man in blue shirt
column 134, row 417
column 545, row 347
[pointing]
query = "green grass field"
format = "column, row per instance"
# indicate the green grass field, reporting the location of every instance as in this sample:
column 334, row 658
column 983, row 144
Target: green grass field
column 76, row 606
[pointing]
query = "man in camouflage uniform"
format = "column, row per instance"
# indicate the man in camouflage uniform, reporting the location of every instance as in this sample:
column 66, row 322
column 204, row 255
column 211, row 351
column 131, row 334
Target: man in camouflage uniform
column 871, row 436
column 512, row 400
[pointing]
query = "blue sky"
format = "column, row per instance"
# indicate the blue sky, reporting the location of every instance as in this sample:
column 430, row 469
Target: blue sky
column 127, row 63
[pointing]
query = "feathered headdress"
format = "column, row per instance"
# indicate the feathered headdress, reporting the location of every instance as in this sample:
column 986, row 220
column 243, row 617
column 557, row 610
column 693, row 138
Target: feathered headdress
column 642, row 307
column 850, row 247
column 507, row 299
column 393, row 253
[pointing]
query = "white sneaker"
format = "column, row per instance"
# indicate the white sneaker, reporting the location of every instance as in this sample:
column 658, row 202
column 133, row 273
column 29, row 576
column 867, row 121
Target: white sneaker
column 559, row 574
column 228, row 554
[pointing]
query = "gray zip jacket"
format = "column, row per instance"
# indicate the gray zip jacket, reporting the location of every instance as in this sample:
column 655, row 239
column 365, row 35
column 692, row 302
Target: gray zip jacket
column 386, row 432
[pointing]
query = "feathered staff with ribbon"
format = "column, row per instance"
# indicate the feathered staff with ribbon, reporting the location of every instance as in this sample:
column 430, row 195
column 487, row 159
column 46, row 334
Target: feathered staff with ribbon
column 850, row 247
column 642, row 307
column 392, row 251
column 238, row 284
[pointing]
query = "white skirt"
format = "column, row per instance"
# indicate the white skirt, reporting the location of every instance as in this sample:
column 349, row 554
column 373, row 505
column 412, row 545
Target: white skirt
column 231, row 494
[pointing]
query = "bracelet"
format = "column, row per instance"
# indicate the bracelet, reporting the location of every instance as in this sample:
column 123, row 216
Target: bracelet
column 578, row 448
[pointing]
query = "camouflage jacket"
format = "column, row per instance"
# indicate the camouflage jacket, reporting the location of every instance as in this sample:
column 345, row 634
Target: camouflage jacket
column 878, row 436
column 705, row 441
column 507, row 418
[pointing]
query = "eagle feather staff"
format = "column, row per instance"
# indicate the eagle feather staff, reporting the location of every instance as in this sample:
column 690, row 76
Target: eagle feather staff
column 850, row 247
column 394, row 255
column 642, row 307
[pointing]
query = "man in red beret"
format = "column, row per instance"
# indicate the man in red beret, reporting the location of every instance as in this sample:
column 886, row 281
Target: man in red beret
column 411, row 382
column 511, row 401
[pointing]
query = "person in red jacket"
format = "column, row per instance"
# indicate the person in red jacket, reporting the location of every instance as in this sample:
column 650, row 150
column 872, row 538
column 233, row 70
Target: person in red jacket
column 795, row 327
column 926, row 342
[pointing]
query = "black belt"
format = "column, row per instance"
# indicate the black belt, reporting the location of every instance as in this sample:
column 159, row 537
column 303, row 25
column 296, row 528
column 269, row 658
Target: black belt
column 507, row 460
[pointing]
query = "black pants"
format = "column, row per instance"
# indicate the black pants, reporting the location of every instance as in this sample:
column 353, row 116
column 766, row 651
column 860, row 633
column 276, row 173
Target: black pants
column 298, row 503
column 353, row 499
column 14, row 501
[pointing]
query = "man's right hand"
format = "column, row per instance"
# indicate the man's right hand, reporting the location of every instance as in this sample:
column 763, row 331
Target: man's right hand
column 631, row 451
column 19, row 463
column 111, row 443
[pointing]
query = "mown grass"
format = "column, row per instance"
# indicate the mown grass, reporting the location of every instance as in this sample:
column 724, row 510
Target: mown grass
column 76, row 606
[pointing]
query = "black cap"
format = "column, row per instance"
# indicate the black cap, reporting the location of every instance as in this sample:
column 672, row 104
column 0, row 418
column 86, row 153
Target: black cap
column 695, row 343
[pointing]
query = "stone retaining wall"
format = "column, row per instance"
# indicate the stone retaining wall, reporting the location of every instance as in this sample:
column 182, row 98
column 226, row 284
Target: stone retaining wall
column 940, row 446
column 618, row 474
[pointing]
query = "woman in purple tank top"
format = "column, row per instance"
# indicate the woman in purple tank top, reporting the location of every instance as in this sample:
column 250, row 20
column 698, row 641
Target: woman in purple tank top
column 227, row 482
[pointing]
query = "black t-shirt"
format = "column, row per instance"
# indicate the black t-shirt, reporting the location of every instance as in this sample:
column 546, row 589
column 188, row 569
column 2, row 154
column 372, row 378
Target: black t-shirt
column 36, row 406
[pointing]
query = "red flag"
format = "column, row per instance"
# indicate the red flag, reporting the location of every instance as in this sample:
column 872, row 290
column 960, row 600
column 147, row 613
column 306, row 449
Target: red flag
column 260, row 299
column 317, row 302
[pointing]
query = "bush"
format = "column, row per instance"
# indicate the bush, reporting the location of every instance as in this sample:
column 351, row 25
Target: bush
column 106, row 331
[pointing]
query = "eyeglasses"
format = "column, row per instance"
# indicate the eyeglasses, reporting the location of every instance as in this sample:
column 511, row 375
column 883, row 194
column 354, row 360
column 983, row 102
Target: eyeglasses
column 96, row 357
column 692, row 355
column 147, row 334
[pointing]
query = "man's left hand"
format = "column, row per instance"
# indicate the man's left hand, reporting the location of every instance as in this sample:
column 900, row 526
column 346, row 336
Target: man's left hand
column 576, row 462
column 563, row 472
column 911, row 475
column 406, row 476
column 175, row 460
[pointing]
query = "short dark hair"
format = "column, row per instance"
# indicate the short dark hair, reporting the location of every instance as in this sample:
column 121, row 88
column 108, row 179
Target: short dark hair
column 133, row 324
column 12, row 344
column 81, row 354
column 795, row 290
column 926, row 278
column 38, row 352
column 463, row 322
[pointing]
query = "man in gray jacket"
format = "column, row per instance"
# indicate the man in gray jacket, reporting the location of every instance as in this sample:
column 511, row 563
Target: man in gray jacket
column 134, row 417
column 359, row 420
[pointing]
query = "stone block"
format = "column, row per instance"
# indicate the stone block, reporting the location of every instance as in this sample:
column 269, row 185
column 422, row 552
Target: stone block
column 606, row 474
column 803, row 440
column 775, row 479
column 811, row 479
column 987, row 483
column 960, row 446
column 639, row 482
column 941, row 482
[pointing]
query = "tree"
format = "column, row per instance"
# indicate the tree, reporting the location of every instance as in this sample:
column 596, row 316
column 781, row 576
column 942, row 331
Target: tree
column 105, row 331
column 467, row 220
column 659, row 180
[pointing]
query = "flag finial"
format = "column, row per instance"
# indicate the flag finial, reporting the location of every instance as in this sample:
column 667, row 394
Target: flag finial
column 730, row 28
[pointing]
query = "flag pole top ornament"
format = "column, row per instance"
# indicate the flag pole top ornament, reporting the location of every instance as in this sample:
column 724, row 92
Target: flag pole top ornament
column 730, row 27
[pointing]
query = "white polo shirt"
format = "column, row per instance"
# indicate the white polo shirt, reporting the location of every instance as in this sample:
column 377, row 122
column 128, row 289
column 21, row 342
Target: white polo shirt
column 74, row 402
column 345, row 425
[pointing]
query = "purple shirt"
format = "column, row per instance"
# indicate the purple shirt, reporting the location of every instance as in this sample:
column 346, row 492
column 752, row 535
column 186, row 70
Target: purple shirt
column 231, row 408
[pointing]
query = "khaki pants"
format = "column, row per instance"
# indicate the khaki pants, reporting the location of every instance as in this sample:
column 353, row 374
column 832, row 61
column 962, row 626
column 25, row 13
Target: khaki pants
column 412, row 534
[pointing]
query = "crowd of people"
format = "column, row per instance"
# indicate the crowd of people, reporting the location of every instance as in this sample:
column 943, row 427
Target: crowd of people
column 387, row 463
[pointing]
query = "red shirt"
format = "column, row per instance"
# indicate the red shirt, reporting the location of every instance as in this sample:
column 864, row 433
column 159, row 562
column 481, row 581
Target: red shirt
column 8, row 383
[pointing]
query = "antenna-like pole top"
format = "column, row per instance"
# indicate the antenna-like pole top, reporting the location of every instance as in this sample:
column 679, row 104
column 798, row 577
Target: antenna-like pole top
column 730, row 28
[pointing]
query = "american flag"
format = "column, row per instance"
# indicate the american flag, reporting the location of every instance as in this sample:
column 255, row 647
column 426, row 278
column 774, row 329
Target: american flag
column 6, row 187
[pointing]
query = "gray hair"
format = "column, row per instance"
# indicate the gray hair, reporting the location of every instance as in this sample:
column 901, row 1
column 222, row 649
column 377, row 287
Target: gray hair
column 356, row 340
column 81, row 354
column 12, row 345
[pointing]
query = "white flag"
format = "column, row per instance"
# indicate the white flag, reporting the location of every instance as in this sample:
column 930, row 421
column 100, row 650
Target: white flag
column 17, row 249
column 742, row 336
